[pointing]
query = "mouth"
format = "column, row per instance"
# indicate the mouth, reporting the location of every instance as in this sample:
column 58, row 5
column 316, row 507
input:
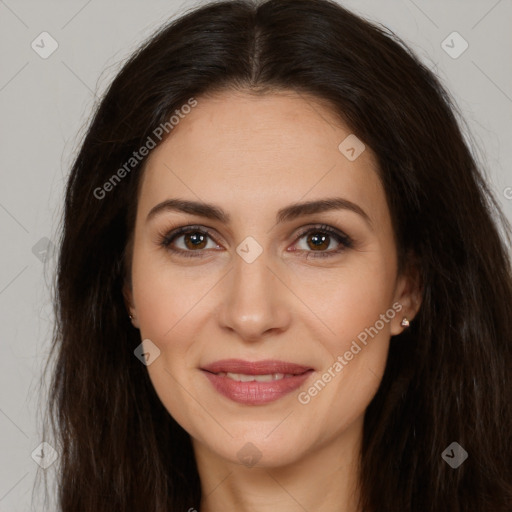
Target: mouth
column 266, row 367
column 267, row 377
column 255, row 383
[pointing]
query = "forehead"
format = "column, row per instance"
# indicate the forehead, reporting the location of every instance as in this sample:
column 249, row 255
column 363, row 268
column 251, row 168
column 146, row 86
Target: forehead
column 272, row 149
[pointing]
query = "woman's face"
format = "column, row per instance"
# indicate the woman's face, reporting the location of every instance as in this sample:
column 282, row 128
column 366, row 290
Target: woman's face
column 258, row 278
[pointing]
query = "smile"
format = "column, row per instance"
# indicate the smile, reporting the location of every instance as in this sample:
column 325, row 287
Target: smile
column 255, row 383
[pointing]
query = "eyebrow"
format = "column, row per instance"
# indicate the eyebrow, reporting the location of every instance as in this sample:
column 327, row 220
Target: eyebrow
column 288, row 213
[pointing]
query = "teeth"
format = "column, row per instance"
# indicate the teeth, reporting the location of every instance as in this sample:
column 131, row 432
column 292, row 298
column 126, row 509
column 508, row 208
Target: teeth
column 240, row 377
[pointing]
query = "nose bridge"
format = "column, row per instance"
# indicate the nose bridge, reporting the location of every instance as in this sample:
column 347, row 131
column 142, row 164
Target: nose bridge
column 254, row 301
column 251, row 269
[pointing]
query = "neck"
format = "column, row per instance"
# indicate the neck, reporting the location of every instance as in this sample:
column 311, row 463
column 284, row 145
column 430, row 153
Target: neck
column 323, row 479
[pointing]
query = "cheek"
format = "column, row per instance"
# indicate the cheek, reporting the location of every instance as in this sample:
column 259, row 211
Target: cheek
column 357, row 340
column 164, row 295
column 351, row 298
column 166, row 303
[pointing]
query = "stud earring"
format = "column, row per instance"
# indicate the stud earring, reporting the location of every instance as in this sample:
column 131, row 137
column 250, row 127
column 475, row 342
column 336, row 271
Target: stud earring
column 131, row 317
column 405, row 322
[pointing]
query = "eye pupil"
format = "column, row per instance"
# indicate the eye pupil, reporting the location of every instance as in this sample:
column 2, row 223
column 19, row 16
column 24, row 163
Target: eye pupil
column 321, row 239
column 196, row 239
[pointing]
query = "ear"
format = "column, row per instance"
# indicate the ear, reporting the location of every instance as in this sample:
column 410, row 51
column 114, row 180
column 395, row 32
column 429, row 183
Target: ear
column 408, row 293
column 128, row 300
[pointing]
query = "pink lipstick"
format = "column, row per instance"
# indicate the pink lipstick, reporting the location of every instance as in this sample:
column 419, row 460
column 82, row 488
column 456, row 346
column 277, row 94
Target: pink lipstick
column 258, row 382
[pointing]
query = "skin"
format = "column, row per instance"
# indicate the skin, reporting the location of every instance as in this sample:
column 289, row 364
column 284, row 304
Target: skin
column 252, row 156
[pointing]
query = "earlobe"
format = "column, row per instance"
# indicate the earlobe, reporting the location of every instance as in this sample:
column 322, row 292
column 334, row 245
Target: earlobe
column 409, row 296
column 128, row 299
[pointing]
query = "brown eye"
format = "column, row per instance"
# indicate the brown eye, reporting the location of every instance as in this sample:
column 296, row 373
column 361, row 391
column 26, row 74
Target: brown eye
column 318, row 241
column 194, row 240
column 321, row 237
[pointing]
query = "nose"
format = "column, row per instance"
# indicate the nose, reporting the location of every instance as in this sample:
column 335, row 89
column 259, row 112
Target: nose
column 256, row 302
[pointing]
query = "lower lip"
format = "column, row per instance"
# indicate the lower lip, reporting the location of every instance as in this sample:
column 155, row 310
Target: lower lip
column 256, row 393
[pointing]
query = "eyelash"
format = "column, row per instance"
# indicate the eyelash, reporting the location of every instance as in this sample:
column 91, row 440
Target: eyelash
column 165, row 240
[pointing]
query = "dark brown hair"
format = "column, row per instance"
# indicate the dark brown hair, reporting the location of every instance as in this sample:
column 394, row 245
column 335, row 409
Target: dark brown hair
column 448, row 377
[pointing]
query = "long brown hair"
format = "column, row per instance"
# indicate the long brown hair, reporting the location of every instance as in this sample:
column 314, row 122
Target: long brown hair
column 448, row 378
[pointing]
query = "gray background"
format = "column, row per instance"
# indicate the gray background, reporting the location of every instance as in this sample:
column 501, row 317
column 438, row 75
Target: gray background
column 45, row 104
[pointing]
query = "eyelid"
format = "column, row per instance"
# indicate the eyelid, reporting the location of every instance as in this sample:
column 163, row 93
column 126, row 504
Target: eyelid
column 167, row 235
column 323, row 228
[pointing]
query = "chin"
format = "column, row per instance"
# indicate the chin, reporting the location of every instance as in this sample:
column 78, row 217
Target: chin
column 254, row 448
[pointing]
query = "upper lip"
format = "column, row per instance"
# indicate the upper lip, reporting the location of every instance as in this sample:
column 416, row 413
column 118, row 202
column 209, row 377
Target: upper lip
column 265, row 367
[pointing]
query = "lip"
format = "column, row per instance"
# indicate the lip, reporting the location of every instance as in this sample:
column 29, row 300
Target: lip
column 255, row 393
column 255, row 367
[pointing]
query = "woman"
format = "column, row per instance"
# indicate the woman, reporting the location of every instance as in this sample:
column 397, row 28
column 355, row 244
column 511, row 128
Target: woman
column 281, row 282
